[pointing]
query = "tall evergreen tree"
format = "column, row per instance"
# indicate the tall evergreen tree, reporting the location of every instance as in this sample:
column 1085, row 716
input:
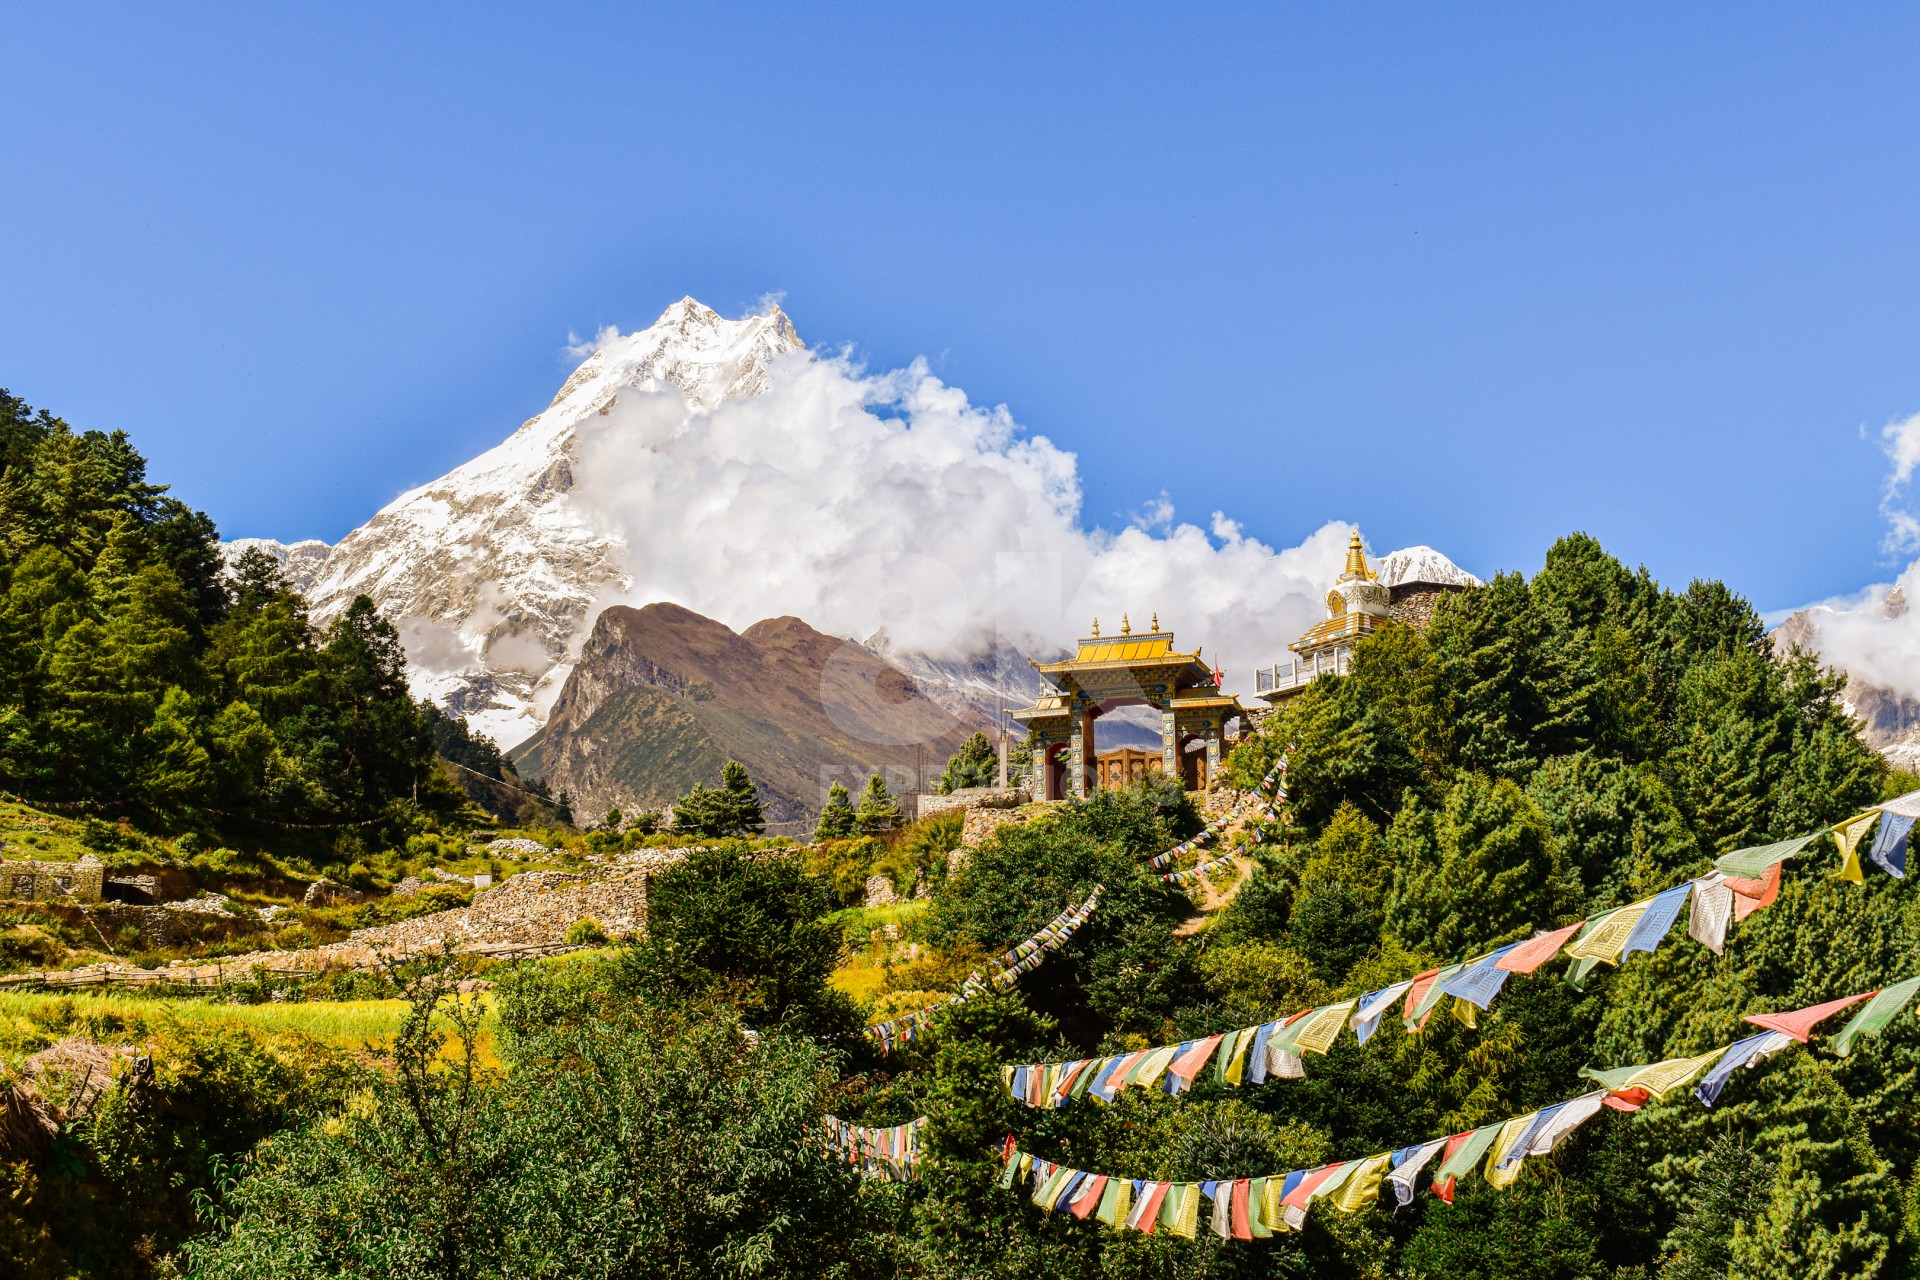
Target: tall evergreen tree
column 836, row 816
column 878, row 811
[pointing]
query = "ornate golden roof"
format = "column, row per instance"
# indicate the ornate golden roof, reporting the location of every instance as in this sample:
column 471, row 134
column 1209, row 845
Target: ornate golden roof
column 1357, row 560
column 1337, row 627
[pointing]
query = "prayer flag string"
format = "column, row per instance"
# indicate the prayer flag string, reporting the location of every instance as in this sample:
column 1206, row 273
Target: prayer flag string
column 1274, row 1204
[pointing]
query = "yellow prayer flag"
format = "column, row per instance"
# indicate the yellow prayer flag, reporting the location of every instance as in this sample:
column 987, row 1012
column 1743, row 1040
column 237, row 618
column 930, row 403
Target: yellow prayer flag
column 1605, row 940
column 1510, row 1133
column 1465, row 1013
column 1847, row 836
column 1237, row 1063
column 1362, row 1186
column 1322, row 1028
column 1663, row 1077
column 1155, row 1066
column 1270, row 1209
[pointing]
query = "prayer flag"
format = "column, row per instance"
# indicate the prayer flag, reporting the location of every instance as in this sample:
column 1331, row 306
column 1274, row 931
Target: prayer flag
column 1847, row 836
column 1317, row 1033
column 1656, row 1078
column 1427, row 997
column 1480, row 981
column 1089, row 1197
column 1800, row 1022
column 1610, row 934
column 1115, row 1202
column 1241, row 1227
column 1146, row 1211
column 1751, row 895
column 1257, row 1207
column 1874, row 1018
column 1890, row 844
column 1187, row 1217
column 1373, row 1006
column 1652, row 927
column 1193, row 1056
column 1407, row 1163
column 1527, row 956
column 1499, row 1172
column 1749, row 863
column 1257, row 1055
column 1712, row 909
column 1463, row 1158
column 1362, row 1186
column 1565, row 1119
column 1742, row 1053
column 1299, row 1193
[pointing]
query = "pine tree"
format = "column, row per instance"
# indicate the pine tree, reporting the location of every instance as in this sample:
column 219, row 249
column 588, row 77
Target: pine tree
column 836, row 816
column 731, row 809
column 973, row 765
column 879, row 811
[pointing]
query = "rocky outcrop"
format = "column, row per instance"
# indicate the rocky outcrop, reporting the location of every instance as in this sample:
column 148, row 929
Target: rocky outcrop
column 326, row 893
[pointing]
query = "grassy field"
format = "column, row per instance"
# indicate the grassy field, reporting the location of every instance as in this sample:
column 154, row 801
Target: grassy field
column 30, row 1021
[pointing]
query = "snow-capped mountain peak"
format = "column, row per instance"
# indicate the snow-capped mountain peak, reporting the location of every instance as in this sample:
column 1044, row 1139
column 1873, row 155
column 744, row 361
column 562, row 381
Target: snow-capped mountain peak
column 490, row 570
column 1422, row 564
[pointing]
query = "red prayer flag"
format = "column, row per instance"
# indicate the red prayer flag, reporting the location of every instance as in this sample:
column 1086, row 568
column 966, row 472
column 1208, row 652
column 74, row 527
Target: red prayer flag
column 1751, row 895
column 1297, row 1198
column 1188, row 1064
column 1627, row 1099
column 1090, row 1198
column 1242, row 1228
column 1418, row 991
column 1530, row 955
column 1799, row 1023
column 1156, row 1192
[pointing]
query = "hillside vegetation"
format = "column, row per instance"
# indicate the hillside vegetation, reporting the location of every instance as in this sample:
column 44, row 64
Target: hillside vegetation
column 1547, row 749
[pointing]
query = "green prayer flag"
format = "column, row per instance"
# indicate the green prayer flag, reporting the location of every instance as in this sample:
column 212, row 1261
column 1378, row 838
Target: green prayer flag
column 1469, row 1154
column 1013, row 1171
column 1432, row 996
column 1751, row 864
column 1609, row 1079
column 1875, row 1015
column 1223, row 1055
column 1256, row 1197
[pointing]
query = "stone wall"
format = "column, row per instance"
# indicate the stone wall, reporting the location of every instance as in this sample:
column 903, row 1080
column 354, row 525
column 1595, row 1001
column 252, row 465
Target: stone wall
column 80, row 881
column 981, row 823
column 1414, row 603
column 932, row 802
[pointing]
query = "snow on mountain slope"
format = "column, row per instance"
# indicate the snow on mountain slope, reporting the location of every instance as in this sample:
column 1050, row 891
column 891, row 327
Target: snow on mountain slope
column 1423, row 564
column 718, row 465
column 301, row 562
column 491, row 570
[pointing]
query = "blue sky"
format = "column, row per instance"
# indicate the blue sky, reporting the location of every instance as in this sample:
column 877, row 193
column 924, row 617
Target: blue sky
column 1471, row 276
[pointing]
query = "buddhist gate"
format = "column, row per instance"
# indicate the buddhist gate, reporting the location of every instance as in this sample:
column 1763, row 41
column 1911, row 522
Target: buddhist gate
column 1125, row 671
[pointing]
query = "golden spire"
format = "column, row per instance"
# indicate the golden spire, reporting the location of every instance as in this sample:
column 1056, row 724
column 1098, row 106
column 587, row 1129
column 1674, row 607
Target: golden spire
column 1096, row 628
column 1126, row 627
column 1356, row 559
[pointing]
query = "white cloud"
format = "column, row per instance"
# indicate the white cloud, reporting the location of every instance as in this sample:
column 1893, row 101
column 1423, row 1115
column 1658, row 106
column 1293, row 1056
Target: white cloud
column 856, row 500
column 1901, row 440
column 1872, row 634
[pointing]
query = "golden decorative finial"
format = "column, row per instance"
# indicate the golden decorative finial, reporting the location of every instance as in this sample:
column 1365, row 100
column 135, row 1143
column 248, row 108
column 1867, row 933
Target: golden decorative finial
column 1156, row 619
column 1126, row 627
column 1096, row 628
column 1356, row 558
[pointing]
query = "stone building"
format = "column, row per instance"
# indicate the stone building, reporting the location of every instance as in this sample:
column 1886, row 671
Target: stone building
column 81, row 881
